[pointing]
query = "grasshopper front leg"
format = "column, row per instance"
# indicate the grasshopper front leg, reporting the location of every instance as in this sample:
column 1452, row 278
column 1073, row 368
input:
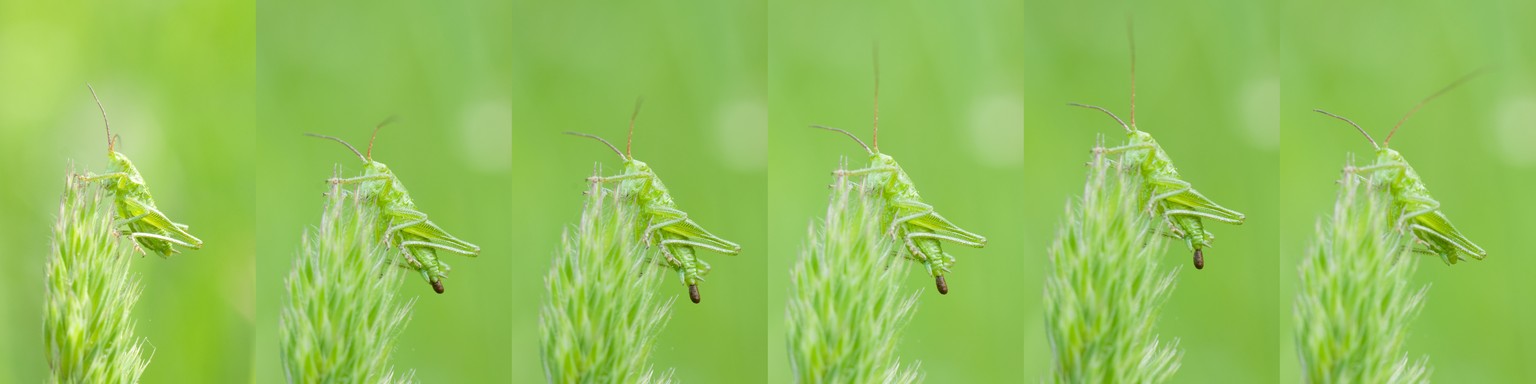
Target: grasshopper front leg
column 1123, row 148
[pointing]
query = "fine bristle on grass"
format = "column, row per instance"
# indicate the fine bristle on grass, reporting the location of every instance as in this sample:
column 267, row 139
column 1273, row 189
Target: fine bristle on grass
column 1105, row 289
column 846, row 307
column 1356, row 299
column 341, row 316
column 602, row 315
column 90, row 294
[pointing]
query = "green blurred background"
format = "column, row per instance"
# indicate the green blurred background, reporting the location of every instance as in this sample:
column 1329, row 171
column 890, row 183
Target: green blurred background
column 1207, row 90
column 951, row 103
column 1372, row 61
column 341, row 67
column 579, row 66
column 176, row 80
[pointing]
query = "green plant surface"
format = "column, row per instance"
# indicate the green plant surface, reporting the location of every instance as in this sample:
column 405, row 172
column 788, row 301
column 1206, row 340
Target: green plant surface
column 1372, row 61
column 88, row 324
column 339, row 68
column 700, row 66
column 603, row 310
column 177, row 81
column 1208, row 88
column 342, row 318
column 1356, row 299
column 1106, row 286
column 847, row 304
column 951, row 111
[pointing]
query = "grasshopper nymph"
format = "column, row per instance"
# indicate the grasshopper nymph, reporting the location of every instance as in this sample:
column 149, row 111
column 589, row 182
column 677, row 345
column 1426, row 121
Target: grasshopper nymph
column 147, row 226
column 913, row 223
column 1167, row 194
column 1414, row 209
column 405, row 227
column 669, row 228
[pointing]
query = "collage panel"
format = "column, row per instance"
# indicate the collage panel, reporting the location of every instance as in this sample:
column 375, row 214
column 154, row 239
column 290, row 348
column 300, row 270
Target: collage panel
column 419, row 89
column 677, row 88
column 948, row 97
column 1450, row 88
column 1205, row 93
column 180, row 118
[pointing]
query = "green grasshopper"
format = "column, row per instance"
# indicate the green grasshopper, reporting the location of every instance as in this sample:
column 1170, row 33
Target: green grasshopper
column 668, row 227
column 913, row 223
column 1168, row 196
column 405, row 227
column 1419, row 213
column 147, row 226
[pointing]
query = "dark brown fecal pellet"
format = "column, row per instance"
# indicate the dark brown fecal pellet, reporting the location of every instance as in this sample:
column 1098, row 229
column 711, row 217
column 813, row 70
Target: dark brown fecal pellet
column 943, row 286
column 437, row 285
column 1199, row 260
column 693, row 292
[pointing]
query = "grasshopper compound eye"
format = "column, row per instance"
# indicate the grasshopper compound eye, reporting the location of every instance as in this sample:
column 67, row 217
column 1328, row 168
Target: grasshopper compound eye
column 1199, row 259
column 437, row 285
column 943, row 286
column 693, row 293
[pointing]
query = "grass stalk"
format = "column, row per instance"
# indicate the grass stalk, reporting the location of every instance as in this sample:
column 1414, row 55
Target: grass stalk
column 602, row 315
column 1355, row 300
column 90, row 294
column 1105, row 289
column 846, row 307
column 342, row 318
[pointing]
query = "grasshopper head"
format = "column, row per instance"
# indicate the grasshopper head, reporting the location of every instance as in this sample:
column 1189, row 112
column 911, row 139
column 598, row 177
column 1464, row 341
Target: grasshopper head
column 1389, row 155
column 636, row 166
column 878, row 159
column 374, row 167
column 116, row 160
column 1139, row 136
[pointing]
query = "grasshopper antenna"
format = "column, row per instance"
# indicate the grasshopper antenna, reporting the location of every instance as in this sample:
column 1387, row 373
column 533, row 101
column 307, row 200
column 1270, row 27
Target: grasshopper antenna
column 1357, row 126
column 850, row 135
column 605, row 142
column 876, row 137
column 386, row 121
column 108, row 124
column 1426, row 100
column 1107, row 112
column 343, row 142
column 1130, row 36
column 630, row 140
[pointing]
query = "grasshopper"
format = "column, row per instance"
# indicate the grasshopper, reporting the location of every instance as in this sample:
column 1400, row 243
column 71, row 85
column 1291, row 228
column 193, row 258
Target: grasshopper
column 1417, row 212
column 405, row 227
column 1168, row 196
column 147, row 226
column 913, row 223
column 668, row 228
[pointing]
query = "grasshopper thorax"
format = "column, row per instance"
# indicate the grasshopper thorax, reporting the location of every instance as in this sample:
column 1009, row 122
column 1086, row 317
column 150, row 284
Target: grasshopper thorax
column 651, row 187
